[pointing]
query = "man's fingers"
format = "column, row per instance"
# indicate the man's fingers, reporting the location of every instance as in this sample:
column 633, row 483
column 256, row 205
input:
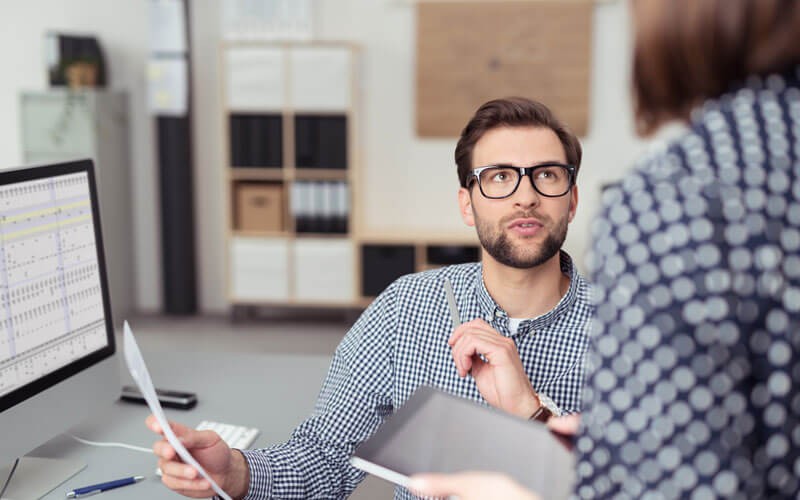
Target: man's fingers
column 492, row 347
column 567, row 425
column 164, row 450
column 187, row 486
column 153, row 424
column 177, row 469
column 178, row 429
column 475, row 325
column 199, row 439
column 436, row 485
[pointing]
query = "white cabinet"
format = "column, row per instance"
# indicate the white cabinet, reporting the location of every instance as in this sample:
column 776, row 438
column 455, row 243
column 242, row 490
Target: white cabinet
column 320, row 79
column 256, row 79
column 324, row 270
column 60, row 125
column 259, row 269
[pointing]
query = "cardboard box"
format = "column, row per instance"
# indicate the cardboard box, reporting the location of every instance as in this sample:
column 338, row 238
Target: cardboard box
column 259, row 207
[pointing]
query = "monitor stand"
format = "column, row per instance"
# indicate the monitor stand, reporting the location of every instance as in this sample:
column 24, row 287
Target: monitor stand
column 36, row 477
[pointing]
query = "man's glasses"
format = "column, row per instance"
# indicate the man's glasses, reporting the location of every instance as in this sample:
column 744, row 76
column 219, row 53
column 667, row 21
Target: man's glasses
column 501, row 181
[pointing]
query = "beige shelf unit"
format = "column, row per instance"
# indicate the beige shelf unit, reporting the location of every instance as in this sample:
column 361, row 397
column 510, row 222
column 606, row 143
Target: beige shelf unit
column 282, row 266
column 290, row 94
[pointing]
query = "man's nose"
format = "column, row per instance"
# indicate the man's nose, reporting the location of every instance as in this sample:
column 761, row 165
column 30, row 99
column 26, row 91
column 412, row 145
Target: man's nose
column 526, row 194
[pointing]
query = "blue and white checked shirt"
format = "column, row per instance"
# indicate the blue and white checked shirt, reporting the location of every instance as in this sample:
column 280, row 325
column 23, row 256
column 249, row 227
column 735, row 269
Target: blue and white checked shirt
column 400, row 343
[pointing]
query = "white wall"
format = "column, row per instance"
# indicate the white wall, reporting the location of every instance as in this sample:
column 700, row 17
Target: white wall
column 122, row 27
column 392, row 156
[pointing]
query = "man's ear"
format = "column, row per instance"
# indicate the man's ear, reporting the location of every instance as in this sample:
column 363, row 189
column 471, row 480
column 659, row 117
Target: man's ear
column 465, row 206
column 573, row 202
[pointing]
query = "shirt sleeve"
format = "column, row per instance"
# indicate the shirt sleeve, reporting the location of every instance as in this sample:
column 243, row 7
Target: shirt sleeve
column 356, row 397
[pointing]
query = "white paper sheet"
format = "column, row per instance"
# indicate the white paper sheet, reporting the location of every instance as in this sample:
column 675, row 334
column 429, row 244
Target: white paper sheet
column 135, row 362
column 167, row 84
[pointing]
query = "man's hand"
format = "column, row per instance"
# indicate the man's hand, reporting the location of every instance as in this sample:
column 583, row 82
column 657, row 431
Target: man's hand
column 501, row 379
column 470, row 486
column 227, row 467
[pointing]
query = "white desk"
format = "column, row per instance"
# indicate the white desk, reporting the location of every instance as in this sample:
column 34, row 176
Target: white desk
column 270, row 392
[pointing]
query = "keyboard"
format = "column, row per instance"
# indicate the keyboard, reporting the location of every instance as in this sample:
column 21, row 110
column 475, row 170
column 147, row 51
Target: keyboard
column 235, row 436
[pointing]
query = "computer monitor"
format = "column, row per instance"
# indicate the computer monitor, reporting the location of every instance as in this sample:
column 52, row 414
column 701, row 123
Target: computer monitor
column 57, row 350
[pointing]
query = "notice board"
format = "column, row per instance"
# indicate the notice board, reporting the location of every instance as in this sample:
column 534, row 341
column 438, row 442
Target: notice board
column 470, row 52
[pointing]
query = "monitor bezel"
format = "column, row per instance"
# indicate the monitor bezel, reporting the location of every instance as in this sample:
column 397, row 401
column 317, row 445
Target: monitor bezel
column 45, row 382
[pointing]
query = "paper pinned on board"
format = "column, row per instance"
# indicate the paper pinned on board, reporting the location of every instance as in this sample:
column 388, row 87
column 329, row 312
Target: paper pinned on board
column 138, row 370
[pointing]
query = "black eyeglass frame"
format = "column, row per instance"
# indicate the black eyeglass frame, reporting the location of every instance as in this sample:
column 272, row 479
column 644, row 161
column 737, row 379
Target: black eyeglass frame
column 523, row 172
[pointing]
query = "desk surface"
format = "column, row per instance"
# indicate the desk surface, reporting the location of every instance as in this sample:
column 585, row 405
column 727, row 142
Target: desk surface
column 270, row 392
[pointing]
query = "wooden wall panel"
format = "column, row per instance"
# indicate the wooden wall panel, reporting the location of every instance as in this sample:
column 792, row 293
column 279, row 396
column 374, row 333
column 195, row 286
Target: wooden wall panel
column 470, row 52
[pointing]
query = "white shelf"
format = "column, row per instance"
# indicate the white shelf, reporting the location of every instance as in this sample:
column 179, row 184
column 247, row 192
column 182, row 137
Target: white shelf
column 256, row 79
column 319, row 79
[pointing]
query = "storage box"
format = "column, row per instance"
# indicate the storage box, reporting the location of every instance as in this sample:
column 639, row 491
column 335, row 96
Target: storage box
column 259, row 207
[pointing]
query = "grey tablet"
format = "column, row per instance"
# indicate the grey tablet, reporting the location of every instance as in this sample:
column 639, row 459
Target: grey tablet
column 437, row 432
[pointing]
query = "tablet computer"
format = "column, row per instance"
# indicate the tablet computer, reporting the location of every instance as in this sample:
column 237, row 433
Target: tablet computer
column 441, row 433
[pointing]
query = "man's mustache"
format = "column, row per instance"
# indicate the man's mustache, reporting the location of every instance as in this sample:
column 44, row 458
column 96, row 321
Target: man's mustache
column 525, row 215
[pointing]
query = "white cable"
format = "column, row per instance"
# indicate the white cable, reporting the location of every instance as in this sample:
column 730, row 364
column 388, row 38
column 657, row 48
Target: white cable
column 118, row 445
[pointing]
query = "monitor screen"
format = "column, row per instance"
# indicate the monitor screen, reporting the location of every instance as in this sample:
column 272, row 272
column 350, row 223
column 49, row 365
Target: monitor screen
column 55, row 320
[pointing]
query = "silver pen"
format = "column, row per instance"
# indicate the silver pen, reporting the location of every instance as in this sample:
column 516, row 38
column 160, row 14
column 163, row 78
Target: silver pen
column 451, row 301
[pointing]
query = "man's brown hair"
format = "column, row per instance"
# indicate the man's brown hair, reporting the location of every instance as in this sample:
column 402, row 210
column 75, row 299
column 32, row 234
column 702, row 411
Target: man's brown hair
column 512, row 112
column 687, row 51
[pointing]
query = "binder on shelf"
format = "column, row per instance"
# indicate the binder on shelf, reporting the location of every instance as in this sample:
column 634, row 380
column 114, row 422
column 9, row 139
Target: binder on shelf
column 299, row 207
column 319, row 206
column 332, row 145
column 321, row 141
column 327, row 214
column 342, row 207
column 256, row 140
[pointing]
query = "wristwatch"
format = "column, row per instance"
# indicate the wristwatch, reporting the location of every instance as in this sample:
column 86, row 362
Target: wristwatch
column 547, row 408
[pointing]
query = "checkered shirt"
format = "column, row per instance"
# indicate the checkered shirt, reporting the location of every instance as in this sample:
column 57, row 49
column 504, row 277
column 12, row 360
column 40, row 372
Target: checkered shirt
column 400, row 343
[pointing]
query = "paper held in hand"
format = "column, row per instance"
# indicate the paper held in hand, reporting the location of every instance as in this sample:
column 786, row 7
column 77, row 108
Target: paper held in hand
column 138, row 370
column 440, row 433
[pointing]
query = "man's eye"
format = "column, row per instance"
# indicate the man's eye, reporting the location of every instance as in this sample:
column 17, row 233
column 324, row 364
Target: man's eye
column 547, row 174
column 500, row 177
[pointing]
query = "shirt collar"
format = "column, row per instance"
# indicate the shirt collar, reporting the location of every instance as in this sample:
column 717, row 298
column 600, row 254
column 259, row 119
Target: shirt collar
column 489, row 309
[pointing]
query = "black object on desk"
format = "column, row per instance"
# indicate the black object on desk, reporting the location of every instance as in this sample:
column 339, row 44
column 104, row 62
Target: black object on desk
column 168, row 399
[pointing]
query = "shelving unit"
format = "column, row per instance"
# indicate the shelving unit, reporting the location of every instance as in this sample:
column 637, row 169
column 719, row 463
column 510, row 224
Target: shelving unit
column 292, row 134
column 292, row 127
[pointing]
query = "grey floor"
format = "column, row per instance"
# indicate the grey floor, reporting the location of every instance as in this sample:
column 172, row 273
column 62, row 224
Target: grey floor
column 318, row 334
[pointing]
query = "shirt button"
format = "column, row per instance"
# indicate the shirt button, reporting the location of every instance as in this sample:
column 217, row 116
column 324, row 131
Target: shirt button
column 498, row 313
column 488, row 318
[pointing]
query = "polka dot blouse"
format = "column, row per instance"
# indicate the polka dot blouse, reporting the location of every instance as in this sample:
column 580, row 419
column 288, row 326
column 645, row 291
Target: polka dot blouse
column 694, row 382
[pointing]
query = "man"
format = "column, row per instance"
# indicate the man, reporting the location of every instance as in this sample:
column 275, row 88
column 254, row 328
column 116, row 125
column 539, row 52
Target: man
column 526, row 312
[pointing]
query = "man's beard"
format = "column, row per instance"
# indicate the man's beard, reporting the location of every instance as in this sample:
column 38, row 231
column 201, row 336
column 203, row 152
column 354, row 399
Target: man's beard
column 497, row 244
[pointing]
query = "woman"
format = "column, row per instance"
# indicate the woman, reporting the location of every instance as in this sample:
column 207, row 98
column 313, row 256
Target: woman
column 695, row 385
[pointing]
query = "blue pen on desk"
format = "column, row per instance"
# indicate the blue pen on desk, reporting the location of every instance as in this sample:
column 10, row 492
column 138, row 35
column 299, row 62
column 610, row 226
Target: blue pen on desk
column 98, row 488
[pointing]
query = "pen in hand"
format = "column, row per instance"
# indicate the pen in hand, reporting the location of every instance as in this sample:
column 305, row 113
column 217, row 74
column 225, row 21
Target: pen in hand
column 451, row 302
column 98, row 488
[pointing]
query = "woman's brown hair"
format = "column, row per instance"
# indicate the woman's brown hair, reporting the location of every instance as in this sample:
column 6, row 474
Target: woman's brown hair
column 687, row 51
